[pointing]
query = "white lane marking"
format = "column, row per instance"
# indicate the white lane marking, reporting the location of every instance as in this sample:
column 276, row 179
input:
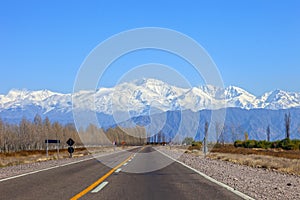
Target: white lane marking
column 118, row 170
column 63, row 165
column 99, row 187
column 125, row 164
column 244, row 196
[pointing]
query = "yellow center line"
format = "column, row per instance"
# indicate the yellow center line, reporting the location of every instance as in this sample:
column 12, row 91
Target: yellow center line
column 93, row 185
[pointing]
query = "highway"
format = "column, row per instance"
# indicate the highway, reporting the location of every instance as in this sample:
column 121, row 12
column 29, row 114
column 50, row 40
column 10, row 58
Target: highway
column 130, row 176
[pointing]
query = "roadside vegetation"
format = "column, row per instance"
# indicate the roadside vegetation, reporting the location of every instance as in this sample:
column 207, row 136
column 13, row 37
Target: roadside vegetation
column 285, row 161
column 24, row 157
column 285, row 144
column 231, row 149
column 31, row 135
column 192, row 144
column 280, row 155
column 33, row 156
column 257, row 154
column 281, row 164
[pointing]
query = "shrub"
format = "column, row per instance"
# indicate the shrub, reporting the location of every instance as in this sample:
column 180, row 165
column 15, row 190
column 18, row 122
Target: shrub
column 250, row 144
column 197, row 144
column 264, row 144
column 288, row 144
column 285, row 144
column 296, row 144
column 238, row 143
column 188, row 141
column 275, row 144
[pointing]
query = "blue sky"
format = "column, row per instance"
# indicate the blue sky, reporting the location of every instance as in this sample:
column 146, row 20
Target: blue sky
column 255, row 44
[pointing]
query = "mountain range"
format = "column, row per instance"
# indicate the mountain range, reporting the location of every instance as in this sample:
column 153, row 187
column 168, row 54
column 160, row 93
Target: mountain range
column 142, row 94
column 150, row 98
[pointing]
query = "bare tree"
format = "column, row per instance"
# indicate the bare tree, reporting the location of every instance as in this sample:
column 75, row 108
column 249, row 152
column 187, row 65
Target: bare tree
column 38, row 131
column 205, row 137
column 2, row 142
column 233, row 132
column 222, row 135
column 30, row 135
column 218, row 131
column 206, row 130
column 47, row 127
column 287, row 120
column 246, row 136
column 268, row 133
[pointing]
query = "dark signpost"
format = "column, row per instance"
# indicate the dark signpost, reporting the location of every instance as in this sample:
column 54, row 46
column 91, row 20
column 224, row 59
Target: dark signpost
column 70, row 142
column 52, row 141
column 70, row 150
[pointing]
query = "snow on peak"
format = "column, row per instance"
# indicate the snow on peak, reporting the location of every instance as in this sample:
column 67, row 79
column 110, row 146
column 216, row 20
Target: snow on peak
column 140, row 95
column 279, row 99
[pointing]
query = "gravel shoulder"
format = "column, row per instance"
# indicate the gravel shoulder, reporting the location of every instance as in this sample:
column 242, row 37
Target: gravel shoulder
column 257, row 183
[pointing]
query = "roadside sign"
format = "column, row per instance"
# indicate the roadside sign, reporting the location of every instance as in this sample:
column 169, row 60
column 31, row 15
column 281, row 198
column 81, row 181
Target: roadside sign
column 52, row 141
column 57, row 142
column 70, row 150
column 70, row 142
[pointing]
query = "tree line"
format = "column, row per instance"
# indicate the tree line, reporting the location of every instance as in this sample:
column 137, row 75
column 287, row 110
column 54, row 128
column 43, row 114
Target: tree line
column 286, row 143
column 31, row 135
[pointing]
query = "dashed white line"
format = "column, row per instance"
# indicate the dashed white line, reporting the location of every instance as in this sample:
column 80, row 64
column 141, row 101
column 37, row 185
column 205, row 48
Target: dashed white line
column 125, row 164
column 118, row 170
column 99, row 187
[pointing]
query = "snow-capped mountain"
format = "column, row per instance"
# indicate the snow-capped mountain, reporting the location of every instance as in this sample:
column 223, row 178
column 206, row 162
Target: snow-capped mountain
column 44, row 99
column 279, row 99
column 155, row 104
column 140, row 96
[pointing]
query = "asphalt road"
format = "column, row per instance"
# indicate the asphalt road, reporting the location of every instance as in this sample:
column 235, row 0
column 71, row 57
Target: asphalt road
column 135, row 180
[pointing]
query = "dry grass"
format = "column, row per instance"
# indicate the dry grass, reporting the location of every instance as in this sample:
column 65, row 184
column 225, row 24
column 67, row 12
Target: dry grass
column 23, row 157
column 286, row 165
column 290, row 154
column 287, row 161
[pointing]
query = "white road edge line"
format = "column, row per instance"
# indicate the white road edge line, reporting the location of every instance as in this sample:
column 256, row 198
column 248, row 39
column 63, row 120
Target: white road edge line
column 244, row 196
column 99, row 187
column 118, row 170
column 49, row 168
